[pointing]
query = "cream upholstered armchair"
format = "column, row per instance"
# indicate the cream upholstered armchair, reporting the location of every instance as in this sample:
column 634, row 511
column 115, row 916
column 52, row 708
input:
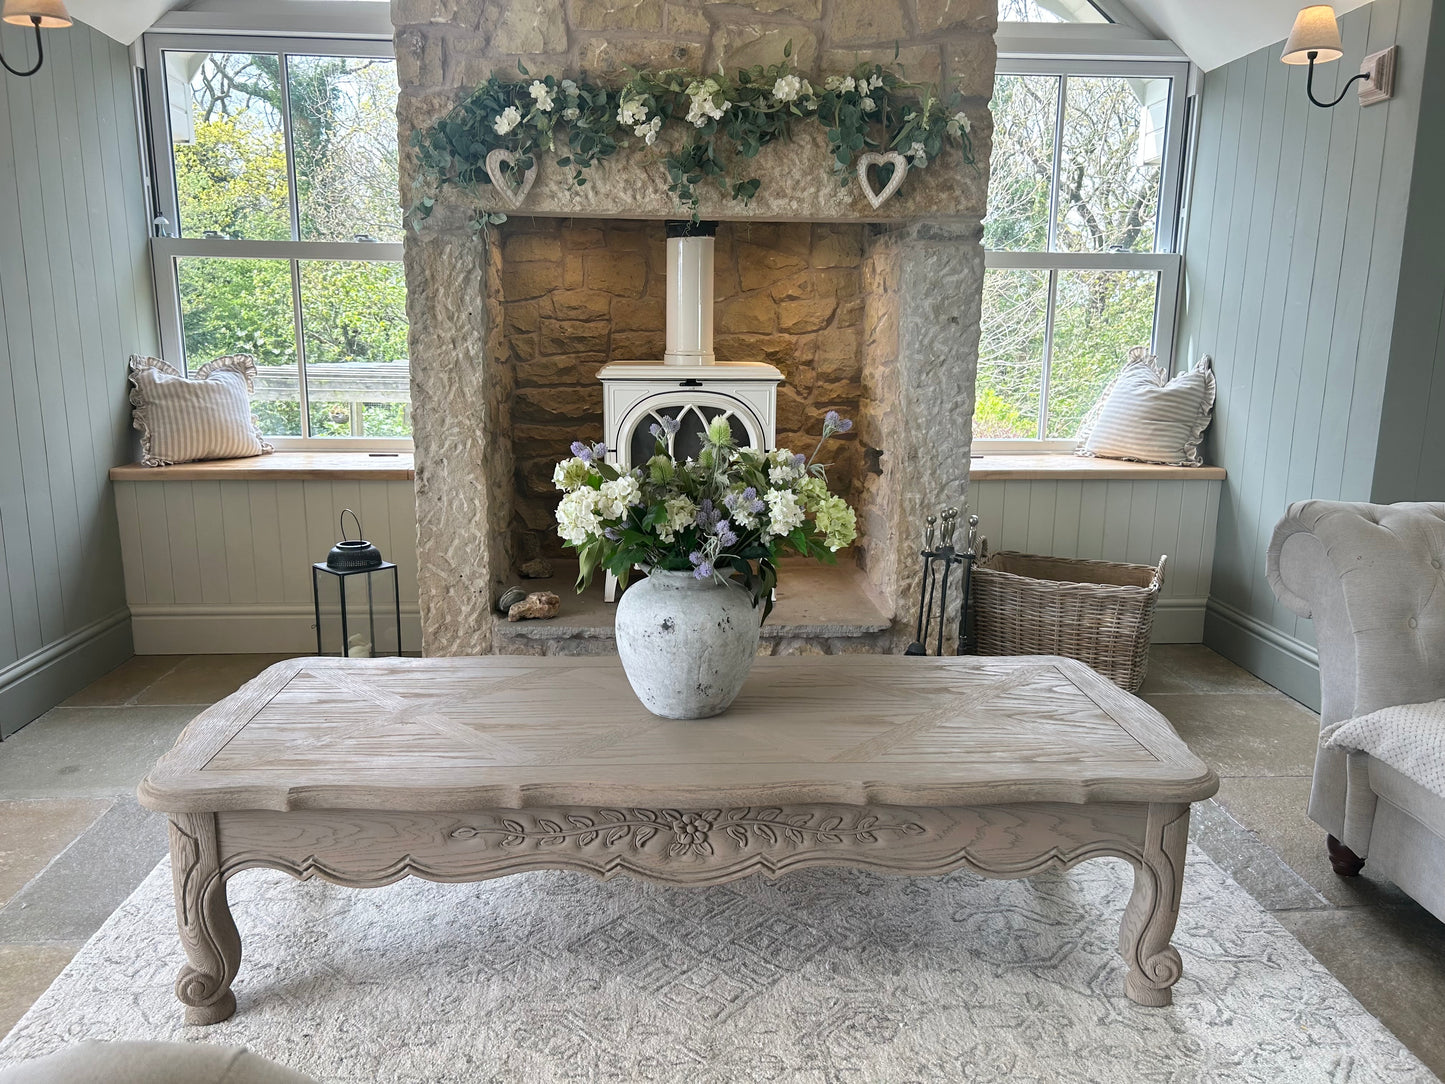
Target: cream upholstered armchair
column 1371, row 577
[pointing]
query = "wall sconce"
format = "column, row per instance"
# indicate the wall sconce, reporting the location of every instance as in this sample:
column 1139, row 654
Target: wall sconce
column 49, row 14
column 1316, row 37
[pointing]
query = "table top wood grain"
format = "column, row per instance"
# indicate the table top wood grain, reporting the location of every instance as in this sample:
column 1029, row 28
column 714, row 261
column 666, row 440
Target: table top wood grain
column 511, row 732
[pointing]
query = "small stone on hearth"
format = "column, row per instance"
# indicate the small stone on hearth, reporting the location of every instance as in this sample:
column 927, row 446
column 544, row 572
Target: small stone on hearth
column 538, row 568
column 538, row 604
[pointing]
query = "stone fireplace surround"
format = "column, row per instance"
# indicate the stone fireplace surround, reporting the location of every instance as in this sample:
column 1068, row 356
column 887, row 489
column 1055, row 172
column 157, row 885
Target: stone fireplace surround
column 871, row 312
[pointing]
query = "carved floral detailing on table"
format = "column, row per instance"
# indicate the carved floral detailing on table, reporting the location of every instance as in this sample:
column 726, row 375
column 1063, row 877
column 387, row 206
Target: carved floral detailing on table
column 692, row 832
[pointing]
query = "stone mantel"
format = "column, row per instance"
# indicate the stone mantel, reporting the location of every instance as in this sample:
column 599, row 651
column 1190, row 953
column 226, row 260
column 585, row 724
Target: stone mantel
column 921, row 266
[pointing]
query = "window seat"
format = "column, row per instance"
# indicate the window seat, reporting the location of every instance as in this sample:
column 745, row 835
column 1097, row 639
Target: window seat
column 279, row 467
column 1063, row 466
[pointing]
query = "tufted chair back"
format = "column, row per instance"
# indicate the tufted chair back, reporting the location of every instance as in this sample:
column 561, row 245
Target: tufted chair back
column 1373, row 578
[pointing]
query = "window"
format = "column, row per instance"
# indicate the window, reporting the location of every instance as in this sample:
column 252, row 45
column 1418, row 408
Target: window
column 1049, row 11
column 276, row 176
column 1079, row 237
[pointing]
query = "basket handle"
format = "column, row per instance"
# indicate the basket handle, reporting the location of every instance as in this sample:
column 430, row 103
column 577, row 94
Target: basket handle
column 1158, row 582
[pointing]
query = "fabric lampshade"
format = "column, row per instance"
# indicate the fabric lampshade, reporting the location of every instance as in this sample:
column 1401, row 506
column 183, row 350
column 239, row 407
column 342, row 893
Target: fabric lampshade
column 52, row 13
column 1316, row 30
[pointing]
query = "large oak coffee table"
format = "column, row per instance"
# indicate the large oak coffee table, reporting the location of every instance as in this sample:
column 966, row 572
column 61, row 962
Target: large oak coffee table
column 369, row 770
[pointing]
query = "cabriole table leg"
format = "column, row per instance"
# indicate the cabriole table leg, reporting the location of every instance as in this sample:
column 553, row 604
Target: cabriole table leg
column 1153, row 909
column 213, row 947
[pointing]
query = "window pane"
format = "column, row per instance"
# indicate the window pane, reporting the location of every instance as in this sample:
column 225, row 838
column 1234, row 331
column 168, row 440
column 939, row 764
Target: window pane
column 353, row 315
column 1049, row 11
column 244, row 307
column 1022, row 163
column 1110, row 168
column 1011, row 354
column 343, row 134
column 228, row 145
column 1098, row 316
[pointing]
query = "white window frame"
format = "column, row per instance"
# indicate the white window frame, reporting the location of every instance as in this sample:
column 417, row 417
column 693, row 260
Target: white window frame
column 1135, row 58
column 165, row 251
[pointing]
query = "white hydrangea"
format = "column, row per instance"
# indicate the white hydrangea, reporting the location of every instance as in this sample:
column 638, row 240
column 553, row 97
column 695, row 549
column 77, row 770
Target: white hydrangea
column 508, row 119
column 571, row 474
column 875, row 81
column 632, row 112
column 920, row 155
column 680, row 515
column 569, row 87
column 648, row 132
column 960, row 119
column 577, row 517
column 789, row 88
column 784, row 511
column 703, row 102
column 571, row 113
column 616, row 496
column 542, row 95
column 840, row 82
column 868, row 105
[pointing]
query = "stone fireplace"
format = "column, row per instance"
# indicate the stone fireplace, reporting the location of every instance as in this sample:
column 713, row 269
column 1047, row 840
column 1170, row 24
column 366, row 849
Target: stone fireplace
column 873, row 313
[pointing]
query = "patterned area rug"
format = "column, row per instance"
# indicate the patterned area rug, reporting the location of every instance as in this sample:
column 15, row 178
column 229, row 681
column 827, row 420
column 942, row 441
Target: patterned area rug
column 825, row 976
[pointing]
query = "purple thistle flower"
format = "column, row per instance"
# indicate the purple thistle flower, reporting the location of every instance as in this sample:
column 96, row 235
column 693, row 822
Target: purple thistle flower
column 800, row 460
column 836, row 423
column 655, row 430
column 725, row 533
column 750, row 494
column 599, row 450
column 845, row 424
column 581, row 451
column 703, row 571
column 706, row 516
column 671, row 425
column 696, row 557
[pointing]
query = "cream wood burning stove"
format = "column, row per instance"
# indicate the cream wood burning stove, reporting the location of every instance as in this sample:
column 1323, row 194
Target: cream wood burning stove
column 689, row 385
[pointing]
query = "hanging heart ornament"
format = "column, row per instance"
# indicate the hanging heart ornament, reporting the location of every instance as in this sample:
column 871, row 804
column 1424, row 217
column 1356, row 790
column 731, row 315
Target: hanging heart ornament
column 865, row 163
column 511, row 191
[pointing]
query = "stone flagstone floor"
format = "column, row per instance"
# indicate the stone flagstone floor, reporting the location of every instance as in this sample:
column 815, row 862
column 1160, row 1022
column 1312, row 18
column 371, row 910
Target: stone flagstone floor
column 74, row 843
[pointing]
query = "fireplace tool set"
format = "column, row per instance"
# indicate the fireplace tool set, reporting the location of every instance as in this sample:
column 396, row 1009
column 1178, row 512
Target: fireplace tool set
column 939, row 562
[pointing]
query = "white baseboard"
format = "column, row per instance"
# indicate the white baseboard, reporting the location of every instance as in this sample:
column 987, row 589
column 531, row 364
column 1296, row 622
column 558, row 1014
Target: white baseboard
column 1179, row 621
column 1286, row 662
column 233, row 630
column 31, row 686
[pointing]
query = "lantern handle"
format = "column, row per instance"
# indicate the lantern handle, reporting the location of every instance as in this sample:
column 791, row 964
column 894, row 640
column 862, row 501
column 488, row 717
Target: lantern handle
column 355, row 519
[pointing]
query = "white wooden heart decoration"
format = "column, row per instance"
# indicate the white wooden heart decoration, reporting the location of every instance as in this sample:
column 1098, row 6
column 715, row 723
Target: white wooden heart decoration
column 513, row 192
column 865, row 163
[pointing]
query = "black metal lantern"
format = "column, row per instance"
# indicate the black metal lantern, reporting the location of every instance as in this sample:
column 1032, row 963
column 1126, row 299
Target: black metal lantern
column 352, row 584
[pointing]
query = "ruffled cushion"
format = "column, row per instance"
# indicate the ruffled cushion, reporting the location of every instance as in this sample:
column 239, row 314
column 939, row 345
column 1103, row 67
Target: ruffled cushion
column 1145, row 416
column 207, row 416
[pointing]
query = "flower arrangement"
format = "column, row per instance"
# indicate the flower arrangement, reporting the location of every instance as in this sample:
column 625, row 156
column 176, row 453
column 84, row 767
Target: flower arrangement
column 730, row 512
column 712, row 123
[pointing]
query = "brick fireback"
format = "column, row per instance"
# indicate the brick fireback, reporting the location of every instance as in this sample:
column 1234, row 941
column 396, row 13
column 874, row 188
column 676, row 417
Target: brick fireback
column 578, row 294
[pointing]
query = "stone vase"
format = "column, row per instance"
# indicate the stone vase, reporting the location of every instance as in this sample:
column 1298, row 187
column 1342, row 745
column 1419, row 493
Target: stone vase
column 686, row 644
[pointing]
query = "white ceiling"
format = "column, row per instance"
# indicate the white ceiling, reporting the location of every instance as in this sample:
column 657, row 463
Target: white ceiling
column 1214, row 32
column 123, row 20
column 1211, row 32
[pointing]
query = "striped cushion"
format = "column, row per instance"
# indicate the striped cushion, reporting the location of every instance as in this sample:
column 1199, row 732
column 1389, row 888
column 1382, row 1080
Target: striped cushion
column 205, row 417
column 1143, row 415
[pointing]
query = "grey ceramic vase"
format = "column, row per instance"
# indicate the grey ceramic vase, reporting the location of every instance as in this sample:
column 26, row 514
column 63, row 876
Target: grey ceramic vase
column 686, row 644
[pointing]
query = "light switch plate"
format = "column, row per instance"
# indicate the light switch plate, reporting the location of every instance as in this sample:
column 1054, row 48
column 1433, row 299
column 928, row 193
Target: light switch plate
column 1380, row 67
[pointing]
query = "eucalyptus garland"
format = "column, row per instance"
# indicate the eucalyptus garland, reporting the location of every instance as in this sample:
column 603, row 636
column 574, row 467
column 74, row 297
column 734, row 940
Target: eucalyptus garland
column 710, row 125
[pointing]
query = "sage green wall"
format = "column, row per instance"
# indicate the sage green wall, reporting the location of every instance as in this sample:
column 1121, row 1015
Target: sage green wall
column 1410, row 461
column 1295, row 233
column 75, row 300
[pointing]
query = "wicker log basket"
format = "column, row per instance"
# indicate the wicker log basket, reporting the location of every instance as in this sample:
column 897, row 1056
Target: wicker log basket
column 1099, row 612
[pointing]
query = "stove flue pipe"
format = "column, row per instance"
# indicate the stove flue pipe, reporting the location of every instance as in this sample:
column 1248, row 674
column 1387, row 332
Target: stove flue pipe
column 689, row 293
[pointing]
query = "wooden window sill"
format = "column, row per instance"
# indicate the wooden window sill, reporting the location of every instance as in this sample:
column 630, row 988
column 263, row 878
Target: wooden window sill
column 278, row 467
column 1002, row 467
